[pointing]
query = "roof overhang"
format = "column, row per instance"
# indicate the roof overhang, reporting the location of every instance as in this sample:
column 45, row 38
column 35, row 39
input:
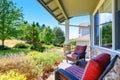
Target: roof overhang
column 63, row 10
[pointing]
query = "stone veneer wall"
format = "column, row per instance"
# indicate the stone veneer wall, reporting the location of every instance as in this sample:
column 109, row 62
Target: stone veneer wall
column 114, row 74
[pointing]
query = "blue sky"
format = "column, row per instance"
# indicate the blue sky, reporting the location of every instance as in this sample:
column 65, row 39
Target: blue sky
column 33, row 11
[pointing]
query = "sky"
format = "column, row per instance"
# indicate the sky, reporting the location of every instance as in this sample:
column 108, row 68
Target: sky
column 34, row 12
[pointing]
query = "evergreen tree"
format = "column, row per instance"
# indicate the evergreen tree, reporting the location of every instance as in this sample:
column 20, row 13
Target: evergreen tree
column 59, row 36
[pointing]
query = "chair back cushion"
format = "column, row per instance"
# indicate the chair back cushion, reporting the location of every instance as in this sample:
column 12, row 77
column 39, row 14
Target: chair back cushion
column 80, row 49
column 109, row 67
column 96, row 66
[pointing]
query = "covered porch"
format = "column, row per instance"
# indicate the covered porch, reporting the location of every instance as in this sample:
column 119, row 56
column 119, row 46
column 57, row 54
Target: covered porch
column 102, row 13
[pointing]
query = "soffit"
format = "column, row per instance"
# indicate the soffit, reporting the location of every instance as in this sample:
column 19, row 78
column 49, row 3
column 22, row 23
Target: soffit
column 62, row 10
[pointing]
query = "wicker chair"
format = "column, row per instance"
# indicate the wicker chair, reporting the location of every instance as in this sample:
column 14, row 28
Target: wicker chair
column 78, row 53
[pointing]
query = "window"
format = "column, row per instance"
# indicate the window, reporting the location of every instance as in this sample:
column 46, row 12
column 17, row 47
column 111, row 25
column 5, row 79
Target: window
column 96, row 29
column 103, row 25
column 117, row 25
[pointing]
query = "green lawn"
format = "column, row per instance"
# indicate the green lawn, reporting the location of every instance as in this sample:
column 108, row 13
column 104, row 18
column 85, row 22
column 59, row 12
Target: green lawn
column 14, row 51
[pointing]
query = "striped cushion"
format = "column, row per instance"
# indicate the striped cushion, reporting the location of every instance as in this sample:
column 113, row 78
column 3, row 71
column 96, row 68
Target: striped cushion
column 76, row 71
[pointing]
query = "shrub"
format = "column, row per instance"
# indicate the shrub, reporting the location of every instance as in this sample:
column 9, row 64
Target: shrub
column 22, row 45
column 46, row 60
column 33, row 65
column 49, row 46
column 4, row 47
column 23, row 65
column 38, row 47
column 12, row 75
column 73, row 42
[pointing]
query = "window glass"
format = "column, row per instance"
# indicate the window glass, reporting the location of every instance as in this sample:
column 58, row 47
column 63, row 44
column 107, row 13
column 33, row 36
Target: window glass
column 103, row 25
column 96, row 29
column 117, row 25
column 118, row 4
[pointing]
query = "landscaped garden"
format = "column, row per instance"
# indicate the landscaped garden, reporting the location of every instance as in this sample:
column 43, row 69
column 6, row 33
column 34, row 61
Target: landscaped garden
column 28, row 51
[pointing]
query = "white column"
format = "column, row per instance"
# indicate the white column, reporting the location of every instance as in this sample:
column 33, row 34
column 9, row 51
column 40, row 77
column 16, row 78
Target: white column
column 91, row 30
column 91, row 36
column 113, row 24
column 67, row 32
column 80, row 31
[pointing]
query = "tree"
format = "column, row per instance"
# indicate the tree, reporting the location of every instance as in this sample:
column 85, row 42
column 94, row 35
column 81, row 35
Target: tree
column 10, row 18
column 59, row 36
column 35, row 33
column 107, row 34
column 30, row 32
column 25, row 30
column 47, row 35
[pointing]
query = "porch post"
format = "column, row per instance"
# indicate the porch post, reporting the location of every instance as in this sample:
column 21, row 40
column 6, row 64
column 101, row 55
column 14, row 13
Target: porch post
column 67, row 45
column 67, row 32
column 91, row 36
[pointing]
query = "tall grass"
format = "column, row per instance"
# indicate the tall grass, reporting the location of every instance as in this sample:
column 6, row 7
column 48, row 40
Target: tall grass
column 34, row 65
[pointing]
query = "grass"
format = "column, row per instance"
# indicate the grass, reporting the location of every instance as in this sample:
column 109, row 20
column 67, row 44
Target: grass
column 11, row 43
column 14, row 51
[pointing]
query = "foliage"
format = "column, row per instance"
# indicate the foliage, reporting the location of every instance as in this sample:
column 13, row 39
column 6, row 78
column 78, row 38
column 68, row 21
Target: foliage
column 73, row 43
column 14, row 51
column 49, row 46
column 24, row 32
column 12, row 75
column 46, row 60
column 33, row 65
column 19, row 62
column 10, row 18
column 59, row 36
column 22, row 46
column 38, row 47
column 30, row 32
column 107, row 34
column 2, row 47
column 47, row 35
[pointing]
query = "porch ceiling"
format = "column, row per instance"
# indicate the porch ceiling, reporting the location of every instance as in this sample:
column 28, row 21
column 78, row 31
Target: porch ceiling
column 65, row 9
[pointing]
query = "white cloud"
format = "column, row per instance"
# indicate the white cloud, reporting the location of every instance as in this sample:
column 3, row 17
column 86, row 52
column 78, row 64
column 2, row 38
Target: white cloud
column 105, row 17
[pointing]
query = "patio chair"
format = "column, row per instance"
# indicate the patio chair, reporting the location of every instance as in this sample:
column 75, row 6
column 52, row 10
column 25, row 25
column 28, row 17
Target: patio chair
column 79, row 53
column 95, row 69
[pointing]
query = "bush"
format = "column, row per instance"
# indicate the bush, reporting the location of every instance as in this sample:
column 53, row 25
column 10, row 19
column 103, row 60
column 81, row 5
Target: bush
column 33, row 65
column 73, row 42
column 12, row 75
column 4, row 47
column 38, row 47
column 49, row 46
column 46, row 60
column 22, row 45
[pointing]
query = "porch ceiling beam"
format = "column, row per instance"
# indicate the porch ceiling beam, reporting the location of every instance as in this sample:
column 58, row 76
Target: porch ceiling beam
column 47, row 8
column 58, row 14
column 75, row 25
column 48, row 2
column 61, row 7
column 62, row 18
column 55, row 9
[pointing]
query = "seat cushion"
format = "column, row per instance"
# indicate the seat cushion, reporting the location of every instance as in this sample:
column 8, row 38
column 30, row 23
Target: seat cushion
column 72, row 56
column 76, row 71
column 79, row 49
column 96, row 66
